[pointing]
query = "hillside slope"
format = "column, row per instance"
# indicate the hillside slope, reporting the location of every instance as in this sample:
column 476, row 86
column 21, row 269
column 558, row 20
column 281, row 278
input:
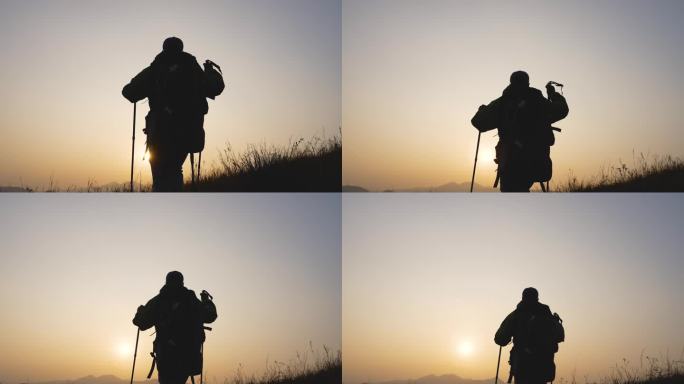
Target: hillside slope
column 658, row 174
column 314, row 166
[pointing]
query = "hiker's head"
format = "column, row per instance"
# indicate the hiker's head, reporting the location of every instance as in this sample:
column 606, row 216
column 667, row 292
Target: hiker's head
column 174, row 279
column 173, row 44
column 530, row 294
column 520, row 80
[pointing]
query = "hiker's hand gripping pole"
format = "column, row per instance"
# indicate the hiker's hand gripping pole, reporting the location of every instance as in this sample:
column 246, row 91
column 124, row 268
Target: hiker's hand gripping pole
column 133, row 144
column 477, row 149
column 135, row 354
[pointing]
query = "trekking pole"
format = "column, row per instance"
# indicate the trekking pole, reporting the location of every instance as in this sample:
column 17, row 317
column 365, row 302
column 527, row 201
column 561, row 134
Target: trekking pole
column 199, row 166
column 202, row 371
column 496, row 379
column 477, row 149
column 192, row 169
column 133, row 145
column 135, row 354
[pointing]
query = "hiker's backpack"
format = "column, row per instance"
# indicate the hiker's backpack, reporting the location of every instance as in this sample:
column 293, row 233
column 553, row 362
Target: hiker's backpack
column 544, row 332
column 180, row 332
column 529, row 129
column 536, row 342
column 179, row 100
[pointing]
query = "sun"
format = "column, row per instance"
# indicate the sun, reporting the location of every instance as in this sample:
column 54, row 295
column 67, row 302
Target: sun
column 487, row 156
column 123, row 349
column 465, row 348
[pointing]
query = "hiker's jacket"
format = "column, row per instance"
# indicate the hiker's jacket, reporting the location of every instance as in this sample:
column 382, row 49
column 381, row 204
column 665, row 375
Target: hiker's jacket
column 189, row 99
column 523, row 115
column 178, row 317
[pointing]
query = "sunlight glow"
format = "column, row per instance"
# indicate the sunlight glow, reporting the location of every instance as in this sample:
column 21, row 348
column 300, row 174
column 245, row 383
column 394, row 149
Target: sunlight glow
column 486, row 156
column 465, row 348
column 123, row 350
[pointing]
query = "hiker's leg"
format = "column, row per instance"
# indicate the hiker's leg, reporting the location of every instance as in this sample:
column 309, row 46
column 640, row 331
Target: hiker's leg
column 162, row 163
column 170, row 368
column 514, row 183
column 157, row 167
column 176, row 171
column 515, row 177
column 172, row 377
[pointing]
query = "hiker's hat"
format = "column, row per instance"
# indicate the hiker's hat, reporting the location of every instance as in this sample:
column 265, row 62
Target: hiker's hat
column 520, row 79
column 173, row 44
column 530, row 294
column 174, row 279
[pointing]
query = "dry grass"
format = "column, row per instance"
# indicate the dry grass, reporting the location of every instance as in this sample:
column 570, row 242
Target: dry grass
column 651, row 370
column 307, row 368
column 313, row 165
column 647, row 174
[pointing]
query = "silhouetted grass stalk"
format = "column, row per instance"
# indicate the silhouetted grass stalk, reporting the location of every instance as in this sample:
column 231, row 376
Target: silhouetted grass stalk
column 658, row 172
column 310, row 367
column 258, row 157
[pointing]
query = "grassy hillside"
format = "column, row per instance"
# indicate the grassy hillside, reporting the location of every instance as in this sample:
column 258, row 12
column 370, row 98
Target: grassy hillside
column 651, row 370
column 648, row 174
column 307, row 368
column 301, row 166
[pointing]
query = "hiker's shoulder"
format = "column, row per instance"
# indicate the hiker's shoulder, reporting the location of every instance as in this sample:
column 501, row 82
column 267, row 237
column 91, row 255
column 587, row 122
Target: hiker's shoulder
column 188, row 58
column 190, row 294
column 535, row 93
column 543, row 308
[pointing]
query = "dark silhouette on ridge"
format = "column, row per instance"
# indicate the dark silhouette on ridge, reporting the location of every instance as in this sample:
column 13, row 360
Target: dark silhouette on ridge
column 536, row 334
column 179, row 318
column 177, row 88
column 523, row 118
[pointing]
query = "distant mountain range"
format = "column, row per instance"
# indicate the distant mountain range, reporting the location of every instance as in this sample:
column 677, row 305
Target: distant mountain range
column 442, row 379
column 106, row 379
column 448, row 187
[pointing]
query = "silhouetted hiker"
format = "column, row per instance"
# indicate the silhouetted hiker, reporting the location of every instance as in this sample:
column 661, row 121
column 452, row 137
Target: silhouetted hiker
column 523, row 118
column 178, row 317
column 536, row 334
column 177, row 89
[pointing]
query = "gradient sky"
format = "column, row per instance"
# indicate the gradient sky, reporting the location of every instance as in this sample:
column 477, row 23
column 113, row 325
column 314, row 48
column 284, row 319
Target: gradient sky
column 415, row 72
column 65, row 62
column 73, row 270
column 428, row 278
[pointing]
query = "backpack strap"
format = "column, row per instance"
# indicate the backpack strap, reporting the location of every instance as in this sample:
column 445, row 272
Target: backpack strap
column 154, row 363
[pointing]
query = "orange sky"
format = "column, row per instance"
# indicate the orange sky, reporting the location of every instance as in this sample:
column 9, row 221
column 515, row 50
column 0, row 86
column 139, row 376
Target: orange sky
column 415, row 72
column 65, row 62
column 429, row 278
column 74, row 269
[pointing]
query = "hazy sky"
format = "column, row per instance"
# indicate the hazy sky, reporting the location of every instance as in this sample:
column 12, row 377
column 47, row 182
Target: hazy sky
column 415, row 72
column 73, row 270
column 66, row 61
column 428, row 280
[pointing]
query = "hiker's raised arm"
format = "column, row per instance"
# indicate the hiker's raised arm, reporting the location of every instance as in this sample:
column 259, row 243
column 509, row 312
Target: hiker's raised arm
column 558, row 106
column 208, row 307
column 139, row 87
column 213, row 80
column 505, row 332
